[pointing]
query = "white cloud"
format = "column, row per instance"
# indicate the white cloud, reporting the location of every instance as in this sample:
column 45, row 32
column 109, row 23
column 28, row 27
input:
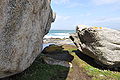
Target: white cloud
column 60, row 1
column 115, row 19
column 69, row 3
column 112, row 22
column 102, row 2
column 75, row 4
column 85, row 14
column 61, row 19
column 63, row 22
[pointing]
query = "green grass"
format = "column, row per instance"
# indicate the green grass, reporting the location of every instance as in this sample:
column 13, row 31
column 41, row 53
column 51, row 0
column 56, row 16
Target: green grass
column 96, row 73
column 102, row 74
column 42, row 71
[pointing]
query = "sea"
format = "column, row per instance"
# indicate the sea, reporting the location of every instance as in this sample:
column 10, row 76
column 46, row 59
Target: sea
column 59, row 33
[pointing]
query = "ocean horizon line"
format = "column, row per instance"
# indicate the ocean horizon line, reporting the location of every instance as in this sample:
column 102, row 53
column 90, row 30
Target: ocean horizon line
column 62, row 29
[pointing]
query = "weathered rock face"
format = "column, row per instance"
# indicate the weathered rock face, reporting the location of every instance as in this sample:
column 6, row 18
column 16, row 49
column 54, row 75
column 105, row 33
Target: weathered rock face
column 56, row 55
column 102, row 44
column 23, row 24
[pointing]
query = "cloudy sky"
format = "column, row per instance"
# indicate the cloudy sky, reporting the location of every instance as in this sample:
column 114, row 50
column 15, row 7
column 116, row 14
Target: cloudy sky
column 101, row 13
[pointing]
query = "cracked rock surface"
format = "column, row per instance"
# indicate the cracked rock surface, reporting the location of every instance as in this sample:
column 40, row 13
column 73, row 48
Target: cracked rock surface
column 102, row 44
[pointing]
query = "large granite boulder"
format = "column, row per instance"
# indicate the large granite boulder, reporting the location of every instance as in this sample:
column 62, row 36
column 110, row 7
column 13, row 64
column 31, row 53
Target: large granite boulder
column 23, row 24
column 102, row 44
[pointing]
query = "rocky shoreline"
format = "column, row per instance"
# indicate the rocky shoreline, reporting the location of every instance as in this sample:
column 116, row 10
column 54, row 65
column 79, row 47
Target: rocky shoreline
column 26, row 55
column 58, row 41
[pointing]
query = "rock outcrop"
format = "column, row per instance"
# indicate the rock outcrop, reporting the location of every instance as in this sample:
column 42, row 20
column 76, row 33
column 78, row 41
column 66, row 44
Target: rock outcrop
column 102, row 44
column 56, row 55
column 23, row 24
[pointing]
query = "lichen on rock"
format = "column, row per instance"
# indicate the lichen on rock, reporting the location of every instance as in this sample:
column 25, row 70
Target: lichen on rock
column 23, row 24
column 102, row 44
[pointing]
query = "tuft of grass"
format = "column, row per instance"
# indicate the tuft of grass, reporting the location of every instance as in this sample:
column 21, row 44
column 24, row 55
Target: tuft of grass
column 41, row 71
column 102, row 74
column 97, row 74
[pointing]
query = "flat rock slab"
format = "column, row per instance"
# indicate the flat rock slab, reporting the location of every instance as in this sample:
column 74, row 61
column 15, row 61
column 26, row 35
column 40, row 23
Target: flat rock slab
column 57, row 52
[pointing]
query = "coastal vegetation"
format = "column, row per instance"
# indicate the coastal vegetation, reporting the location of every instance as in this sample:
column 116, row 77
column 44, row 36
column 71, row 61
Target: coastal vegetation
column 81, row 70
column 24, row 25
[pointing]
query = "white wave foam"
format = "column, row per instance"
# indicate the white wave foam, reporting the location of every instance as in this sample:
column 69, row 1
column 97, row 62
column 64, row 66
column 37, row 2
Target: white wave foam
column 57, row 35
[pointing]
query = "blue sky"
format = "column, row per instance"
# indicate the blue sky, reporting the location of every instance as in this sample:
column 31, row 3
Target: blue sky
column 100, row 13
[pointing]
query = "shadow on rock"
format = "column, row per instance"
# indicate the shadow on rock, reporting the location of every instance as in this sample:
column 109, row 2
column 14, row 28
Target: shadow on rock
column 52, row 64
column 39, row 70
column 58, row 53
column 93, row 62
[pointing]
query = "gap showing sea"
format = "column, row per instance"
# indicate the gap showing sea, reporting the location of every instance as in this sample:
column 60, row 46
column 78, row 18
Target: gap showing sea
column 59, row 33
